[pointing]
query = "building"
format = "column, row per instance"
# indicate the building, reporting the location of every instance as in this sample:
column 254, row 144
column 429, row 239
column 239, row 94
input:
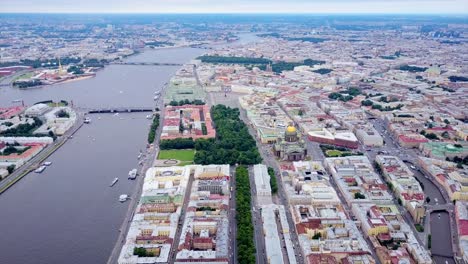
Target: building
column 152, row 231
column 404, row 184
column 37, row 110
column 338, row 138
column 442, row 150
column 262, row 180
column 290, row 147
column 368, row 136
column 187, row 121
column 205, row 230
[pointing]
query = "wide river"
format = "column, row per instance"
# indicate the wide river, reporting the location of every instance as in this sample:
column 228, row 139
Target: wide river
column 69, row 214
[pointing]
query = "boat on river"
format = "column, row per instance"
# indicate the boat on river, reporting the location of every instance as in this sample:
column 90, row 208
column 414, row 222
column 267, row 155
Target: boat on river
column 40, row 169
column 132, row 174
column 123, row 198
column 114, row 182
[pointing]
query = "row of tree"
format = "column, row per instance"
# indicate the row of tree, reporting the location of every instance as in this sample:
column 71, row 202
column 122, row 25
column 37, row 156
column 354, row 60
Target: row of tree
column 245, row 231
column 186, row 102
column 177, row 143
column 154, row 126
column 273, row 182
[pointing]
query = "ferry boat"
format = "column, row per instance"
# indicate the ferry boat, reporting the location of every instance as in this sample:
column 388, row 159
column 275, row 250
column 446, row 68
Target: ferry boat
column 132, row 174
column 40, row 169
column 87, row 120
column 123, row 198
column 114, row 182
column 47, row 163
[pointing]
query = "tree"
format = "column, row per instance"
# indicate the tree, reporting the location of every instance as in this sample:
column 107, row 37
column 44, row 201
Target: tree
column 367, row 103
column 154, row 126
column 428, row 199
column 11, row 168
column 445, row 134
column 431, row 136
column 317, row 236
column 273, row 182
column 359, row 195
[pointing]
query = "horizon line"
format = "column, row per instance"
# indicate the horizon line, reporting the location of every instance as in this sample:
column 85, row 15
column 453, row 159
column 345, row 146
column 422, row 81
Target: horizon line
column 230, row 13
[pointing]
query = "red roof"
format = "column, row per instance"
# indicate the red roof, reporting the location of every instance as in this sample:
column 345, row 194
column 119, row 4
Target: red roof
column 412, row 139
column 463, row 227
column 321, row 259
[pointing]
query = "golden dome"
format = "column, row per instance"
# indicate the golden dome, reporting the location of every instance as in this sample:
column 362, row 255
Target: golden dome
column 291, row 129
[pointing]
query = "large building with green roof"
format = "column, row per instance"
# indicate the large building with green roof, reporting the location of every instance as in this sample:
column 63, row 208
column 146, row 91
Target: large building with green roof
column 443, row 150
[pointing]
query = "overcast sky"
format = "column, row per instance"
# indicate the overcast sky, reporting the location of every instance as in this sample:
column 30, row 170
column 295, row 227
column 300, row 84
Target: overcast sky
column 237, row 6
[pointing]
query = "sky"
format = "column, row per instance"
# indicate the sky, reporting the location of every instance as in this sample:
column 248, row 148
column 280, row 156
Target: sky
column 236, row 6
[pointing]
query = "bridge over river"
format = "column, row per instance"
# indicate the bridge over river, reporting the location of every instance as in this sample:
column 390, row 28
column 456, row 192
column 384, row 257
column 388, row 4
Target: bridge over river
column 112, row 110
column 147, row 63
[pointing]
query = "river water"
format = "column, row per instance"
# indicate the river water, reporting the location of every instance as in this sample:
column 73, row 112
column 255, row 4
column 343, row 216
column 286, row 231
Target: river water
column 68, row 213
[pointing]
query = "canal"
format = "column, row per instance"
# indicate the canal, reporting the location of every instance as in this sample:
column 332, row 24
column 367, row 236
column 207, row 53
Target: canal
column 69, row 214
column 441, row 242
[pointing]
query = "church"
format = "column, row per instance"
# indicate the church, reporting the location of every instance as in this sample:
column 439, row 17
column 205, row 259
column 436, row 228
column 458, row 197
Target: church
column 290, row 147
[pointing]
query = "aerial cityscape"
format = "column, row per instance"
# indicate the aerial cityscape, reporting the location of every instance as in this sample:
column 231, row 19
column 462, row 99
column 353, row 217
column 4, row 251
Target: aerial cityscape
column 222, row 132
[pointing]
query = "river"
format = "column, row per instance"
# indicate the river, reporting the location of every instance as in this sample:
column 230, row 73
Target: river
column 69, row 214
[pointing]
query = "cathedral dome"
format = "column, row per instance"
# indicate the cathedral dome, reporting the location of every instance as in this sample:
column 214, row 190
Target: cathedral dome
column 290, row 130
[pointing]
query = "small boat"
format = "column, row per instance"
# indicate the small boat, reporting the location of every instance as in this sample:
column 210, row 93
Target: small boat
column 47, row 163
column 114, row 182
column 149, row 116
column 132, row 174
column 40, row 169
column 123, row 198
column 17, row 101
column 139, row 155
column 87, row 120
column 156, row 97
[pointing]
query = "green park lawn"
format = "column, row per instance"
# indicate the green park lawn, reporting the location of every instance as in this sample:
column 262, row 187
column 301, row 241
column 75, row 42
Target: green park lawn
column 333, row 153
column 177, row 154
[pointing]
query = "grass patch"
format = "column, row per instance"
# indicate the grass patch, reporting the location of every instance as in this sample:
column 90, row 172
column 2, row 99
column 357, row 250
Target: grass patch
column 184, row 155
column 24, row 76
column 333, row 153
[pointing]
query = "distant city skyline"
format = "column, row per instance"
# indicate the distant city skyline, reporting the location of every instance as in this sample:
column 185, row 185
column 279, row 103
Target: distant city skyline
column 239, row 6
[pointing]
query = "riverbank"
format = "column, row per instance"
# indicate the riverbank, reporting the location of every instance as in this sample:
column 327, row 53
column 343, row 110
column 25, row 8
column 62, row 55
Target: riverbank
column 35, row 162
column 83, row 212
